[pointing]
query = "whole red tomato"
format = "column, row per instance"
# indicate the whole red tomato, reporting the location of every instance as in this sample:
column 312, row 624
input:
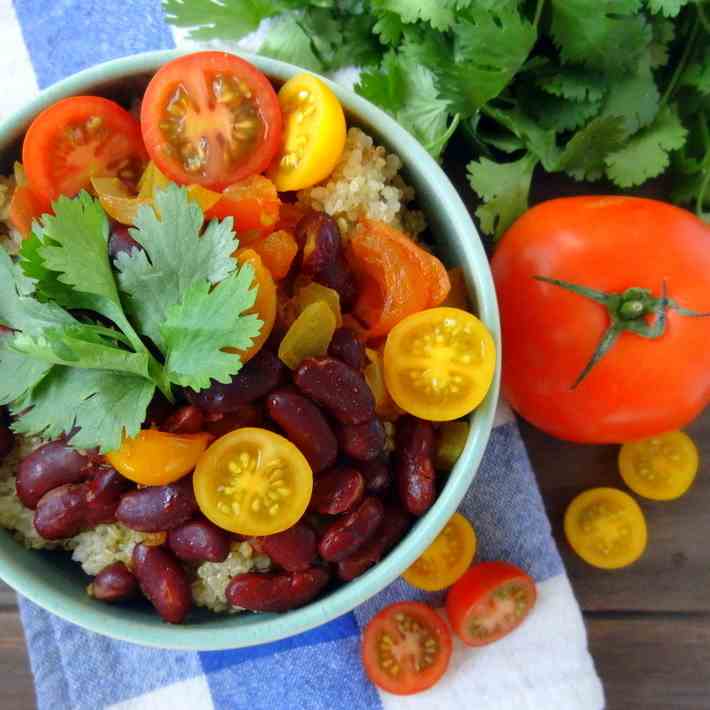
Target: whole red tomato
column 653, row 376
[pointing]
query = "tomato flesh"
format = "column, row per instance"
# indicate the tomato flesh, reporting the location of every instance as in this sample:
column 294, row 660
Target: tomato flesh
column 406, row 648
column 446, row 559
column 212, row 119
column 155, row 458
column 660, row 468
column 489, row 601
column 606, row 528
column 78, row 138
column 253, row 482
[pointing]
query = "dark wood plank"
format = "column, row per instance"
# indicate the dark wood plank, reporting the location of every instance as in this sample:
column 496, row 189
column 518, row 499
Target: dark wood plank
column 15, row 676
column 652, row 662
column 674, row 574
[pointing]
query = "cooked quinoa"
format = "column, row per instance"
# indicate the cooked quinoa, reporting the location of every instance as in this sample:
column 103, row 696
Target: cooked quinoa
column 212, row 578
column 366, row 181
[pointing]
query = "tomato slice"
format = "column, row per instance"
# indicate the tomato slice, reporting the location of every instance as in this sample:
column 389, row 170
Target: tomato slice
column 606, row 528
column 439, row 363
column 489, row 601
column 314, row 133
column 25, row 207
column 660, row 468
column 154, row 458
column 265, row 304
column 211, row 118
column 396, row 278
column 446, row 559
column 79, row 138
column 253, row 482
column 406, row 648
column 254, row 205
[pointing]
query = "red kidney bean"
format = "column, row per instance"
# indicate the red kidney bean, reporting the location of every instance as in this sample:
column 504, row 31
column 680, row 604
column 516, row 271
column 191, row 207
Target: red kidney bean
column 247, row 415
column 186, row 420
column 114, row 583
column 346, row 346
column 158, row 508
column 305, row 426
column 121, row 241
column 348, row 534
column 390, row 532
column 159, row 410
column 323, row 256
column 104, row 491
column 48, row 467
column 363, row 442
column 377, row 476
column 199, row 541
column 61, row 512
column 337, row 491
column 257, row 378
column 416, row 477
column 294, row 549
column 276, row 591
column 163, row 581
column 337, row 387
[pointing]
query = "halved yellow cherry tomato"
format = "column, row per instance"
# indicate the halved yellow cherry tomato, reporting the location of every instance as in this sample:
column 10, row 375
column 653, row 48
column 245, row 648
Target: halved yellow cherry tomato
column 314, row 134
column 439, row 363
column 606, row 528
column 253, row 482
column 155, row 458
column 660, row 468
column 446, row 559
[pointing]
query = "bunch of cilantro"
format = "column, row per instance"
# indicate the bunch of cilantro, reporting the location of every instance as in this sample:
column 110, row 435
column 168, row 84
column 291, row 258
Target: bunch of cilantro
column 597, row 89
column 86, row 344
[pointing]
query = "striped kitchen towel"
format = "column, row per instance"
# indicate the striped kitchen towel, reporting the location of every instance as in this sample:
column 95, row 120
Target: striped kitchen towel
column 543, row 665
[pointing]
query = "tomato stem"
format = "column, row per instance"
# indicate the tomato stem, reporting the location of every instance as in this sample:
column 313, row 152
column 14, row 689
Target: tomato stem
column 628, row 312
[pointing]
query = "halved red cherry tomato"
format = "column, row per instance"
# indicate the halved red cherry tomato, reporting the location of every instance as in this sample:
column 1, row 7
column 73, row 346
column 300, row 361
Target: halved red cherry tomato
column 254, row 205
column 79, row 138
column 211, row 118
column 489, row 601
column 396, row 278
column 406, row 648
column 155, row 458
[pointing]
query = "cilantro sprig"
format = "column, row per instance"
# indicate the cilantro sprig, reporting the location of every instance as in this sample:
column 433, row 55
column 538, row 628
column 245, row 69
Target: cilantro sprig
column 84, row 346
column 615, row 90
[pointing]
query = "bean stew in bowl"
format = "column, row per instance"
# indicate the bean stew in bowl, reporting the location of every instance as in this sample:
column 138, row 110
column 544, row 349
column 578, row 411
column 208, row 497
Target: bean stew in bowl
column 248, row 360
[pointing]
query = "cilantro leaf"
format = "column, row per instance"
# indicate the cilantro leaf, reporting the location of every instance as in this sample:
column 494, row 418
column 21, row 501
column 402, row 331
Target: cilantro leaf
column 558, row 114
column 663, row 34
column 504, row 189
column 18, row 373
column 604, row 34
column 437, row 13
column 669, row 8
column 104, row 405
column 574, row 83
column 389, row 27
column 157, row 277
column 645, row 155
column 210, row 19
column 197, row 330
column 385, row 86
column 697, row 74
column 583, row 156
column 74, row 246
column 18, row 310
column 287, row 40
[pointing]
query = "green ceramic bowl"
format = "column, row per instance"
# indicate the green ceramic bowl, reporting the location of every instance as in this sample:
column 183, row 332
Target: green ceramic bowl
column 57, row 584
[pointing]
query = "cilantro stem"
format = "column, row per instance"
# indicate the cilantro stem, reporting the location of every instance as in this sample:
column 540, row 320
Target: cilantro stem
column 538, row 12
column 680, row 67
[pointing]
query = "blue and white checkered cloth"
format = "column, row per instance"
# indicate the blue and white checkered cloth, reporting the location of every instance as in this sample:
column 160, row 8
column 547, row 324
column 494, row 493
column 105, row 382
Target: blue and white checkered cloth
column 543, row 665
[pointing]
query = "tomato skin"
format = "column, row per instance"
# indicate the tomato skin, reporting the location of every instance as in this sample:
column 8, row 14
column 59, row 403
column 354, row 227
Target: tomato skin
column 47, row 143
column 195, row 71
column 476, row 586
column 413, row 681
column 641, row 387
column 25, row 207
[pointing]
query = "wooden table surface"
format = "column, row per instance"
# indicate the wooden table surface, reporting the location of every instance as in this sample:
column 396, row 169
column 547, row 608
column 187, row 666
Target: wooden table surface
column 649, row 625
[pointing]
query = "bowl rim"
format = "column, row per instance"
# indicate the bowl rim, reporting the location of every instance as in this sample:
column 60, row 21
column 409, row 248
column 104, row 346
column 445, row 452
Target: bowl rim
column 343, row 600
